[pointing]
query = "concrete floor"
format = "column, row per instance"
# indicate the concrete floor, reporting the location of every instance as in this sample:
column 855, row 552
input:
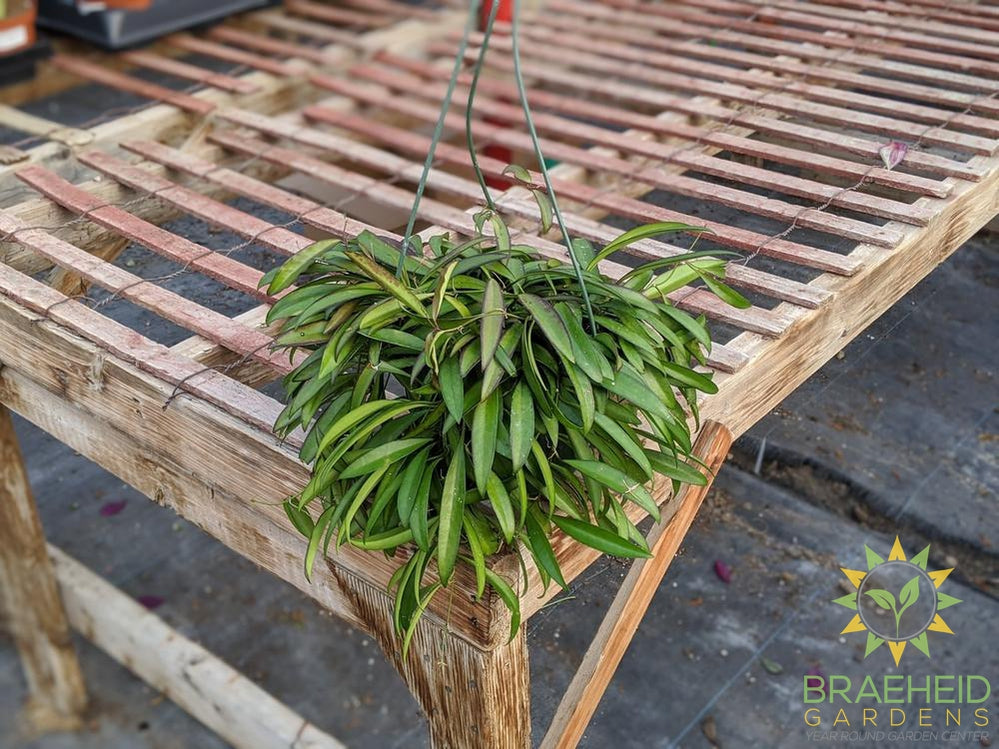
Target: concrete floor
column 899, row 435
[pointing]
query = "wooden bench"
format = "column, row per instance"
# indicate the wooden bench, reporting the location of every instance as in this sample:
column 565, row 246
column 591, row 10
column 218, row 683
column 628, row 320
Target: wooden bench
column 775, row 122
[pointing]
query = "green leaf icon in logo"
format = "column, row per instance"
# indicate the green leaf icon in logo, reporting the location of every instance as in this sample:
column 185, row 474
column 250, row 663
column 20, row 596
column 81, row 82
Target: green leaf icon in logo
column 906, row 597
column 882, row 598
column 920, row 592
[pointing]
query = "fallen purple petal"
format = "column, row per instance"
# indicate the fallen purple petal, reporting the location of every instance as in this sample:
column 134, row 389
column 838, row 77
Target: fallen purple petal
column 723, row 571
column 151, row 602
column 893, row 153
column 110, row 509
column 819, row 682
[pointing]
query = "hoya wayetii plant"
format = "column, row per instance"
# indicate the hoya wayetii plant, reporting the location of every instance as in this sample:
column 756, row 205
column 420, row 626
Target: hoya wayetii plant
column 466, row 396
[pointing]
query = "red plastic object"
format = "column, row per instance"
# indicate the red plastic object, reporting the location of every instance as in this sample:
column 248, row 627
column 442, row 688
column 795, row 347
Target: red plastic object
column 17, row 28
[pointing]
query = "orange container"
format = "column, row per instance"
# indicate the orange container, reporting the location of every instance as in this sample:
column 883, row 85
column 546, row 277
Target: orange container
column 17, row 26
column 92, row 6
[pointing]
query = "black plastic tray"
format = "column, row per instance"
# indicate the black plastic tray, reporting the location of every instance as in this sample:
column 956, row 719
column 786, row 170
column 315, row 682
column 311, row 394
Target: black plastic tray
column 20, row 66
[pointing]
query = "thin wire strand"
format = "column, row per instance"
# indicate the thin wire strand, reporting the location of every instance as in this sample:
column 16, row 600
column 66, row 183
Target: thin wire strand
column 473, row 15
column 469, row 104
column 543, row 166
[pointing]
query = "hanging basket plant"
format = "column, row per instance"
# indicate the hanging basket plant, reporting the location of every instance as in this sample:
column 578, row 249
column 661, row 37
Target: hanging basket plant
column 465, row 397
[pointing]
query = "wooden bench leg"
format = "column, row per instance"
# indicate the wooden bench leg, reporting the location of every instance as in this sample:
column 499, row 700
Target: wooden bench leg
column 473, row 699
column 33, row 610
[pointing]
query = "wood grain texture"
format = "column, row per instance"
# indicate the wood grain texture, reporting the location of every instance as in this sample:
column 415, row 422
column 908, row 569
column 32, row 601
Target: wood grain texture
column 211, row 467
column 776, row 370
column 631, row 602
column 211, row 691
column 473, row 699
column 29, row 596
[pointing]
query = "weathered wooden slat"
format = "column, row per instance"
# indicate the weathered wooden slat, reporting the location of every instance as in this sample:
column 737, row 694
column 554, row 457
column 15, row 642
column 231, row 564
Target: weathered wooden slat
column 682, row 155
column 698, row 301
column 269, row 45
column 210, row 690
column 629, row 63
column 649, row 96
column 723, row 234
column 181, row 69
column 230, row 54
column 200, row 320
column 230, row 272
column 395, row 8
column 706, row 27
column 881, row 48
column 336, row 15
column 869, row 80
column 876, row 32
column 890, row 108
column 279, row 20
column 806, row 159
column 121, row 81
column 308, row 211
column 965, row 14
column 207, row 209
column 919, row 23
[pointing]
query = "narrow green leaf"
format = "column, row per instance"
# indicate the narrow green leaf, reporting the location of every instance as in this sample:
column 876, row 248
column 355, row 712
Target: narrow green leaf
column 631, row 446
column 641, row 232
column 668, row 465
column 452, row 510
column 618, row 481
column 314, row 539
column 301, row 519
column 521, row 424
column 582, row 248
column 442, row 286
column 631, row 388
column 298, row 263
column 385, row 540
column 600, row 539
column 382, row 456
column 519, row 173
column 478, row 558
column 410, row 483
column 550, row 324
column 499, row 499
column 690, row 377
column 493, row 312
column 387, row 281
column 545, row 210
column 419, row 517
column 452, row 387
column 541, row 549
column 485, row 426
column 584, row 395
column 546, row 471
column 509, row 598
column 588, row 357
column 724, row 292
column 501, row 233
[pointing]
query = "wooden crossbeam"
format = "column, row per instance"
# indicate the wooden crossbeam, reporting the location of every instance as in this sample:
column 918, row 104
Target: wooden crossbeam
column 210, row 690
column 632, row 600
